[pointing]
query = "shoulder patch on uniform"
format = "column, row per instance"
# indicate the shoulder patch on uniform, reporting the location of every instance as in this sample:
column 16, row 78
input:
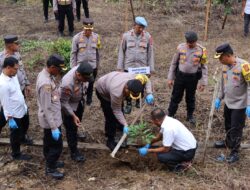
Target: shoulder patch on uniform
column 47, row 88
column 246, row 71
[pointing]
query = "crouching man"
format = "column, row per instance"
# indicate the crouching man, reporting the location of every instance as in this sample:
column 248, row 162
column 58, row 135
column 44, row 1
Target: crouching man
column 178, row 143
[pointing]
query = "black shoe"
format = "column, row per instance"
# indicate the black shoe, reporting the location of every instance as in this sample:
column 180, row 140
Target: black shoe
column 27, row 140
column 59, row 164
column 220, row 144
column 54, row 173
column 89, row 101
column 233, row 157
column 61, row 34
column 78, row 157
column 46, row 20
column 127, row 109
column 111, row 144
column 137, row 104
column 191, row 119
column 21, row 156
column 81, row 136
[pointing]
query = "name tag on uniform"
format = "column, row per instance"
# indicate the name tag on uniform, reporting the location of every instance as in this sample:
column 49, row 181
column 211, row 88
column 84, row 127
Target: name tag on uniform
column 139, row 70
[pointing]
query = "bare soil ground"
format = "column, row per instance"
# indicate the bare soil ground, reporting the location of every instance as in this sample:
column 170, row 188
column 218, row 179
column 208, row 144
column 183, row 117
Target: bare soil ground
column 100, row 171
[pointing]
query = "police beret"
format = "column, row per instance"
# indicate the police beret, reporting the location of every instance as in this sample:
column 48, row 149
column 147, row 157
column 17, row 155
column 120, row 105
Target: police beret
column 88, row 23
column 191, row 36
column 141, row 21
column 224, row 48
column 86, row 70
column 136, row 87
column 57, row 61
column 10, row 39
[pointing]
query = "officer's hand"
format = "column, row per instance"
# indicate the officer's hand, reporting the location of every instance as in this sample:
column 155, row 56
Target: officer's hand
column 147, row 146
column 143, row 151
column 242, row 14
column 76, row 121
column 126, row 130
column 149, row 99
column 56, row 134
column 201, row 88
column 170, row 83
column 217, row 104
column 12, row 124
column 27, row 91
column 248, row 111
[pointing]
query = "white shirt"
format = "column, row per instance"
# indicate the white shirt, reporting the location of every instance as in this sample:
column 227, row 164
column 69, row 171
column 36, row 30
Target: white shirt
column 176, row 135
column 11, row 97
column 247, row 7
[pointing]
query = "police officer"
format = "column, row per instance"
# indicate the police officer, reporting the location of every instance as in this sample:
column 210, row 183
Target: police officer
column 187, row 68
column 85, row 48
column 85, row 7
column 46, row 8
column 111, row 89
column 235, row 91
column 136, row 50
column 73, row 89
column 12, row 49
column 14, row 106
column 62, row 8
column 49, row 114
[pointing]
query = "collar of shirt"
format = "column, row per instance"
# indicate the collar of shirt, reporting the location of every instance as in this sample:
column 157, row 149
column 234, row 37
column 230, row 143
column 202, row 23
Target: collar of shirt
column 5, row 77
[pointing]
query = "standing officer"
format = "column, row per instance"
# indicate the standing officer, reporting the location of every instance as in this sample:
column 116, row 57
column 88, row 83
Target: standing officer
column 85, row 48
column 12, row 49
column 85, row 7
column 14, row 106
column 111, row 90
column 73, row 89
column 46, row 8
column 235, row 91
column 178, row 143
column 136, row 50
column 187, row 68
column 246, row 15
column 62, row 8
column 49, row 114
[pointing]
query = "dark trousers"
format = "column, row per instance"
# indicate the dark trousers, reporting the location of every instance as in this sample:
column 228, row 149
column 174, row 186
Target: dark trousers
column 111, row 123
column 65, row 10
column 246, row 23
column 187, row 83
column 85, row 8
column 91, row 87
column 234, row 124
column 46, row 7
column 16, row 135
column 71, row 128
column 52, row 149
column 174, row 157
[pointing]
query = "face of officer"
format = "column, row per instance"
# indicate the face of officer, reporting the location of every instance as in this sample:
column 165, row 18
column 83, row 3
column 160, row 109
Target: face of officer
column 14, row 47
column 87, row 32
column 54, row 70
column 226, row 59
column 191, row 45
column 138, row 29
column 81, row 78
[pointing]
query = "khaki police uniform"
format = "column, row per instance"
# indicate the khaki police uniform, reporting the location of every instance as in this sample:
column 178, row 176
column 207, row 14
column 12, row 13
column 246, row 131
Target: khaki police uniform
column 49, row 115
column 136, row 51
column 72, row 94
column 235, row 91
column 184, row 71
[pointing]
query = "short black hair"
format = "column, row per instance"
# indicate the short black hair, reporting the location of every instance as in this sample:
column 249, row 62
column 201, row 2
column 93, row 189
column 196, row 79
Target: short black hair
column 158, row 113
column 55, row 60
column 10, row 62
column 135, row 86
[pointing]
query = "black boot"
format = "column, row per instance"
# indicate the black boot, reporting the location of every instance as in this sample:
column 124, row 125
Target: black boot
column 191, row 119
column 137, row 104
column 78, row 157
column 233, row 157
column 128, row 108
column 59, row 164
column 54, row 173
column 220, row 144
column 111, row 144
column 27, row 140
column 81, row 136
column 21, row 156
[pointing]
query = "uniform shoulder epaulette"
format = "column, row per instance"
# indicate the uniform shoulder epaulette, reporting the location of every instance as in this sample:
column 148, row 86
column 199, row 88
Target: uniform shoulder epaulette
column 245, row 68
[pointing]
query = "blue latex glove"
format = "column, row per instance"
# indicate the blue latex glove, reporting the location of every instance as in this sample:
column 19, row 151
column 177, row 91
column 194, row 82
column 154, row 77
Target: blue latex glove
column 143, row 151
column 12, row 124
column 56, row 134
column 150, row 99
column 217, row 104
column 248, row 111
column 147, row 146
column 125, row 130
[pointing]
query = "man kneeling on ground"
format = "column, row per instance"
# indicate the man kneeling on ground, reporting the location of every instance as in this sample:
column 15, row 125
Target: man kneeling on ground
column 178, row 143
